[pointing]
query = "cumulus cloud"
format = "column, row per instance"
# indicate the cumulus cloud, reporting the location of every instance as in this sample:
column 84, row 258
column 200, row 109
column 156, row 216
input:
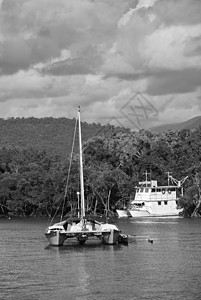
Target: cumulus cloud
column 56, row 54
column 174, row 82
column 165, row 48
column 181, row 12
column 167, row 54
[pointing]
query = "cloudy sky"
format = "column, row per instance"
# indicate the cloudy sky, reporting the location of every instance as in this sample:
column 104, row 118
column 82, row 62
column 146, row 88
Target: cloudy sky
column 134, row 63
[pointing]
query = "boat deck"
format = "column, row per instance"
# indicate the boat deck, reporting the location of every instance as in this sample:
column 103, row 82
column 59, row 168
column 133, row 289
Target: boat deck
column 87, row 232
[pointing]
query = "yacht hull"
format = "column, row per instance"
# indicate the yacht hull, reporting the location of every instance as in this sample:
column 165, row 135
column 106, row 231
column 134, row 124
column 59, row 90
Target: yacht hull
column 123, row 213
column 145, row 213
column 139, row 213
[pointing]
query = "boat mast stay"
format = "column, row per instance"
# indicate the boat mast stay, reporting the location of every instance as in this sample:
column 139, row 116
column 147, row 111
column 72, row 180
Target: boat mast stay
column 69, row 169
column 81, row 168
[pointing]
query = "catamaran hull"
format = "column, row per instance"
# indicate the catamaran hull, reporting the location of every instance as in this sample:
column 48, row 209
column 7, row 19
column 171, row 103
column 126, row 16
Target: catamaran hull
column 56, row 238
column 110, row 238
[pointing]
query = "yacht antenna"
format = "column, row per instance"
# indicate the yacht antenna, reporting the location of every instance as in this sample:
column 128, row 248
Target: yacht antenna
column 169, row 176
column 146, row 174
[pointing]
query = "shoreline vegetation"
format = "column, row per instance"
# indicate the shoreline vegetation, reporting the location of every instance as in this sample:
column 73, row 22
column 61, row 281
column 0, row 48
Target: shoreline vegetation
column 34, row 162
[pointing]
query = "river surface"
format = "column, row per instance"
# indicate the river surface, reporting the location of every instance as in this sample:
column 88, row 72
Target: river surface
column 168, row 268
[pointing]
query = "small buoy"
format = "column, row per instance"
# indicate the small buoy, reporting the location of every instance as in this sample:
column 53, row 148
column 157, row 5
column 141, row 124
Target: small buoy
column 150, row 241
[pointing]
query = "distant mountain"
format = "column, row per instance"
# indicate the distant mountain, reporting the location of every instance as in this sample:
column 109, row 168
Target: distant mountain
column 190, row 124
column 55, row 135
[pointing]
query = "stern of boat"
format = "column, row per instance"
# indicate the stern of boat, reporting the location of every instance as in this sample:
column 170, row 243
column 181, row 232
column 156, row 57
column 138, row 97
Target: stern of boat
column 111, row 234
column 55, row 237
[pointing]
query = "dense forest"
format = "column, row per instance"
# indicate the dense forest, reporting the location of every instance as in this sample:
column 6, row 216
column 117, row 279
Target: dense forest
column 51, row 134
column 35, row 158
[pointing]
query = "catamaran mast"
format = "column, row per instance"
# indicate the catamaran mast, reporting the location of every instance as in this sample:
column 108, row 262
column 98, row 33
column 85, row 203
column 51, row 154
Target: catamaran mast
column 81, row 168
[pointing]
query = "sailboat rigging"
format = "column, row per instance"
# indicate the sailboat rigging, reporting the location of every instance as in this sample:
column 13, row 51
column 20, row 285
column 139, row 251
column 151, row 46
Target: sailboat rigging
column 83, row 227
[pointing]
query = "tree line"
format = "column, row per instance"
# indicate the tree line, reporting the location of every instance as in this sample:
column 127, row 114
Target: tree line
column 35, row 182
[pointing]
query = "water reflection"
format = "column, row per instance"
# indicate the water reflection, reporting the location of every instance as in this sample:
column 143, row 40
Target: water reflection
column 76, row 247
column 168, row 268
column 82, row 265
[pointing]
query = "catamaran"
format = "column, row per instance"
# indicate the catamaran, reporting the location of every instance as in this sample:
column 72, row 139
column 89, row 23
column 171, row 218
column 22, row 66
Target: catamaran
column 82, row 228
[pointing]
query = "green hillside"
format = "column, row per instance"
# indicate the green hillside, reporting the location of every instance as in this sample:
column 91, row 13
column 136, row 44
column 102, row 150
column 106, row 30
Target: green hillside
column 189, row 124
column 55, row 135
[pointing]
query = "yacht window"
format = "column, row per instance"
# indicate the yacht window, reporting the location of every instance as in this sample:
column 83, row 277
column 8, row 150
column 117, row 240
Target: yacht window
column 176, row 202
column 165, row 202
column 139, row 204
column 146, row 190
column 153, row 190
column 141, row 190
column 159, row 202
column 158, row 190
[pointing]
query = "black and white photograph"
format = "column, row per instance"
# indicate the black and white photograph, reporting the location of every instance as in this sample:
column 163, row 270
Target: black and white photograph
column 100, row 149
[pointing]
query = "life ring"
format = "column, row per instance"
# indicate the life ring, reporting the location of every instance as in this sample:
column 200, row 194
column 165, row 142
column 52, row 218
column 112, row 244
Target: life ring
column 169, row 191
column 163, row 191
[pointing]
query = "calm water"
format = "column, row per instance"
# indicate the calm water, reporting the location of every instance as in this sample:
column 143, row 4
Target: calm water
column 170, row 268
